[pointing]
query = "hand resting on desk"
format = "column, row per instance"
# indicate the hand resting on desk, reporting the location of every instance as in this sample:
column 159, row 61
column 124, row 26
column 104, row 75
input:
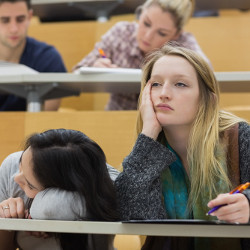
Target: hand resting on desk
column 12, row 208
column 236, row 210
column 51, row 203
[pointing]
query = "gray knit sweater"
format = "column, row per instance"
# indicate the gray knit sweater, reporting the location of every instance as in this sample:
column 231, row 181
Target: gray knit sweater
column 139, row 186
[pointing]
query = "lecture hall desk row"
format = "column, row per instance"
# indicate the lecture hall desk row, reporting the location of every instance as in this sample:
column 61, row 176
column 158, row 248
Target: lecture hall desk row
column 224, row 39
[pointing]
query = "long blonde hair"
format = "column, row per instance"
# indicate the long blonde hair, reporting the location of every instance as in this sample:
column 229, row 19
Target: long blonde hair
column 206, row 153
column 181, row 10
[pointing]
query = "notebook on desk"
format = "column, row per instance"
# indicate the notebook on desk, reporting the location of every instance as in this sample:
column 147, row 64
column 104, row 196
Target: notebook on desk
column 95, row 70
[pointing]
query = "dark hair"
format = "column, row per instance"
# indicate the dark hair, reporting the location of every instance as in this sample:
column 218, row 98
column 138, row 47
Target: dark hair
column 69, row 160
column 28, row 2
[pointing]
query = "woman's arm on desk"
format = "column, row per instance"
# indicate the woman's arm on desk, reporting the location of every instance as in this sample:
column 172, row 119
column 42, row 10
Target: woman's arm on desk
column 138, row 186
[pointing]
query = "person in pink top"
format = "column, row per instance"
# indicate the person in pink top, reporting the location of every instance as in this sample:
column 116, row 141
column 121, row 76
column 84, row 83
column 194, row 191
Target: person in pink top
column 127, row 43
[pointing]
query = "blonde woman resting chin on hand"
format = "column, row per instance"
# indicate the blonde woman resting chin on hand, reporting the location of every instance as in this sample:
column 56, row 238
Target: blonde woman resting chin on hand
column 61, row 175
column 188, row 154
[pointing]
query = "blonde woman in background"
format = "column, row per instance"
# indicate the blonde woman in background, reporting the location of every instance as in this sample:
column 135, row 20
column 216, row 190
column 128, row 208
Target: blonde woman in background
column 127, row 43
column 188, row 154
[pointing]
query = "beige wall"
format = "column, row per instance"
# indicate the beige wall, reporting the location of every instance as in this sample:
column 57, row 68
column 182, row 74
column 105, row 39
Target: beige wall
column 224, row 39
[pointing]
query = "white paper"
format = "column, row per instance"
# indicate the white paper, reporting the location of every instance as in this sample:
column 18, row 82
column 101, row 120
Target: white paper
column 7, row 68
column 95, row 70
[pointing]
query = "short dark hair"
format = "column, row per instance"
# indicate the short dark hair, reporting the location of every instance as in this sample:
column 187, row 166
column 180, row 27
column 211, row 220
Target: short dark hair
column 28, row 2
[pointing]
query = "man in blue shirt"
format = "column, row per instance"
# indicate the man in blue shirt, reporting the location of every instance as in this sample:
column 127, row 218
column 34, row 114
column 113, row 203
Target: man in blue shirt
column 16, row 47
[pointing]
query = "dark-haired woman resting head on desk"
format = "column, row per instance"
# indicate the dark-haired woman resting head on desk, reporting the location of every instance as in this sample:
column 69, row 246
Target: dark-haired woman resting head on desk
column 188, row 154
column 61, row 175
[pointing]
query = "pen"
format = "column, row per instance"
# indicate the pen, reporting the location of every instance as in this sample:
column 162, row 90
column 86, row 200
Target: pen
column 102, row 53
column 237, row 190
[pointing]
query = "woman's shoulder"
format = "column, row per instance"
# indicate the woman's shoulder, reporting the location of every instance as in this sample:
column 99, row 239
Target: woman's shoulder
column 8, row 170
column 124, row 27
column 188, row 40
column 186, row 37
column 244, row 132
column 11, row 162
column 244, row 127
column 240, row 130
column 113, row 173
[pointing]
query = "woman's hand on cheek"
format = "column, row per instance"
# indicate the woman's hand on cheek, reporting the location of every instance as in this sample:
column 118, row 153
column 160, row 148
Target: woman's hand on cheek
column 151, row 126
column 235, row 208
column 12, row 208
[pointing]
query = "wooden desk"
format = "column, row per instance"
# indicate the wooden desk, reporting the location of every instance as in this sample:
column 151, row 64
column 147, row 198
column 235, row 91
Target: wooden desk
column 38, row 87
column 234, row 82
column 186, row 230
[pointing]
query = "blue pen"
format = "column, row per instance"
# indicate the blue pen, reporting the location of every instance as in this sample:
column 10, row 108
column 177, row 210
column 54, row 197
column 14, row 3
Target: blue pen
column 237, row 190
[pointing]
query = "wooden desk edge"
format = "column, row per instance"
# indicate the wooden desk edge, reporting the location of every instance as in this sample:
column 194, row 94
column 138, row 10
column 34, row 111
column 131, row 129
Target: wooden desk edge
column 186, row 230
